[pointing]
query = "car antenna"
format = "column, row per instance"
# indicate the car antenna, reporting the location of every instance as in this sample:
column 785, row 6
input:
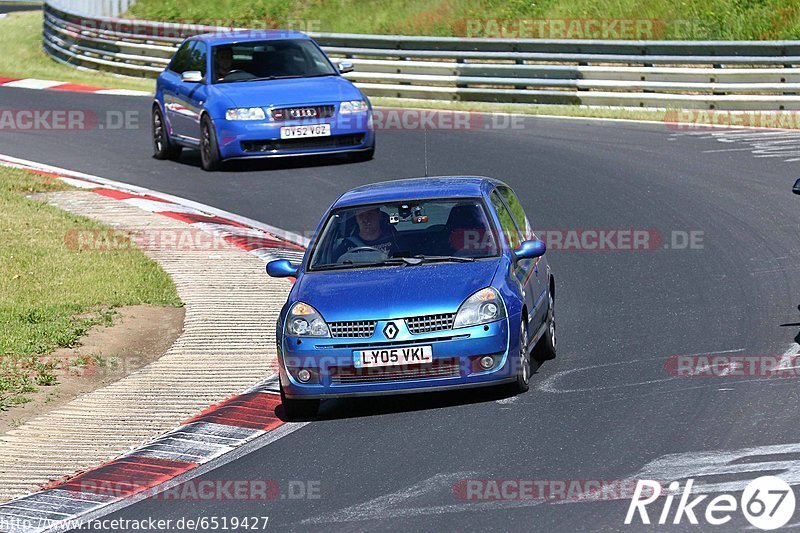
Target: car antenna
column 425, row 133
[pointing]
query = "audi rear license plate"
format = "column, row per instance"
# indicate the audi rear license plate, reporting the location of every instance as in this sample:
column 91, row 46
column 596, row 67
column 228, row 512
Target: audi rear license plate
column 313, row 130
column 413, row 355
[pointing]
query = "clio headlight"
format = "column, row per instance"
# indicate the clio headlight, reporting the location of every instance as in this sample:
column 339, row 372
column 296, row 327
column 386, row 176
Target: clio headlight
column 481, row 308
column 304, row 321
column 245, row 113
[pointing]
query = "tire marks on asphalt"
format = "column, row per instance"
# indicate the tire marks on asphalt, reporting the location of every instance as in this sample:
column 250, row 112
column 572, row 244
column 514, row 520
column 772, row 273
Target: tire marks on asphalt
column 552, row 383
column 714, row 472
column 782, row 144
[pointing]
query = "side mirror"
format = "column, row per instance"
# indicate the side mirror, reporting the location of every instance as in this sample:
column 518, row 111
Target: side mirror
column 796, row 188
column 530, row 250
column 192, row 76
column 281, row 268
column 345, row 67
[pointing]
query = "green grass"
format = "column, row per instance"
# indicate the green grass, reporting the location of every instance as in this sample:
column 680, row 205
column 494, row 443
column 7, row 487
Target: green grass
column 22, row 57
column 51, row 293
column 678, row 19
column 524, row 109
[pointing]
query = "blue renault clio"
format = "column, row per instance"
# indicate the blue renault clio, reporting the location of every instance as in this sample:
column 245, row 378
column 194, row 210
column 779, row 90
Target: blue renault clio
column 415, row 285
column 256, row 94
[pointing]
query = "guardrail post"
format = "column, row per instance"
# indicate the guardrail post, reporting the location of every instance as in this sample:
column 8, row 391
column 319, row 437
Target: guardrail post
column 461, row 61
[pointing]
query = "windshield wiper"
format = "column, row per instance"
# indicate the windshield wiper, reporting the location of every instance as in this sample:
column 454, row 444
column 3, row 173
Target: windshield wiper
column 444, row 258
column 393, row 261
column 266, row 78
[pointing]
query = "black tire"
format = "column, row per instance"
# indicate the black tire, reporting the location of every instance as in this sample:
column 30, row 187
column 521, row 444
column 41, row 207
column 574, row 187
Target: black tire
column 361, row 157
column 209, row 147
column 522, row 384
column 294, row 409
column 545, row 349
column 163, row 148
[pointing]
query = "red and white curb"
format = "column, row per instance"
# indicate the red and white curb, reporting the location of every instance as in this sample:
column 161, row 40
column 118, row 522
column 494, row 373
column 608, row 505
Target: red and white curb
column 33, row 83
column 218, row 435
column 265, row 241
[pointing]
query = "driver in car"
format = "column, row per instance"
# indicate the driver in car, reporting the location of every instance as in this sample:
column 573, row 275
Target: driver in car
column 223, row 62
column 373, row 232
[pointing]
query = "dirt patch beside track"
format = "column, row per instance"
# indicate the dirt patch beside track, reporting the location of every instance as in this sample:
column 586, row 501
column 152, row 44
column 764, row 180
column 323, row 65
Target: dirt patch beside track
column 139, row 336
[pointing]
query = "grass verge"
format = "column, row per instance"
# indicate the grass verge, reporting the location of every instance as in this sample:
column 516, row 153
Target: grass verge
column 25, row 59
column 525, row 109
column 22, row 57
column 50, row 293
column 550, row 19
column 21, row 41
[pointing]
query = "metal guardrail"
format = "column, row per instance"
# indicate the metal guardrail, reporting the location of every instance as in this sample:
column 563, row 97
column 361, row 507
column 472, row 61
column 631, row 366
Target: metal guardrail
column 706, row 75
column 93, row 8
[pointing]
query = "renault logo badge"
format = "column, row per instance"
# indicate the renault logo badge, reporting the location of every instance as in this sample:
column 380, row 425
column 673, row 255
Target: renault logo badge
column 390, row 331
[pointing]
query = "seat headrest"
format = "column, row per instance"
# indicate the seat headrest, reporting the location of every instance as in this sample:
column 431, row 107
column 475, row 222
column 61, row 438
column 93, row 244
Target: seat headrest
column 466, row 216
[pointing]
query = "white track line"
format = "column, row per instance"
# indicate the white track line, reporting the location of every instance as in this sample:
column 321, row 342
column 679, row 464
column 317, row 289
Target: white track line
column 32, row 83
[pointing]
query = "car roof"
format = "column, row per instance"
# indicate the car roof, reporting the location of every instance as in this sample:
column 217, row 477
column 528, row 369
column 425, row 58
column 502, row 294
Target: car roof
column 239, row 36
column 417, row 188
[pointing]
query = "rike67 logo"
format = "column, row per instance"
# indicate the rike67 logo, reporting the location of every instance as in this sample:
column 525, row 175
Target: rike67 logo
column 767, row 503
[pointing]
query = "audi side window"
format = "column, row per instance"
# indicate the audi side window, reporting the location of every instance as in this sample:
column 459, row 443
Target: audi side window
column 181, row 61
column 198, row 56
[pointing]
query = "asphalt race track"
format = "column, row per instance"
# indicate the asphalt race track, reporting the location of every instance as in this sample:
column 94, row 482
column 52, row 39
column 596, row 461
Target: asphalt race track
column 602, row 410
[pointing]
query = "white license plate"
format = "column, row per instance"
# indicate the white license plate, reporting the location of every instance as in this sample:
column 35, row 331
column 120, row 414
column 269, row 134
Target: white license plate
column 412, row 355
column 313, row 130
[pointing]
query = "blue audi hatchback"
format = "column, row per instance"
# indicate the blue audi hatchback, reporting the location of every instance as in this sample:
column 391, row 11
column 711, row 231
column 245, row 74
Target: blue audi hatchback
column 256, row 94
column 415, row 285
